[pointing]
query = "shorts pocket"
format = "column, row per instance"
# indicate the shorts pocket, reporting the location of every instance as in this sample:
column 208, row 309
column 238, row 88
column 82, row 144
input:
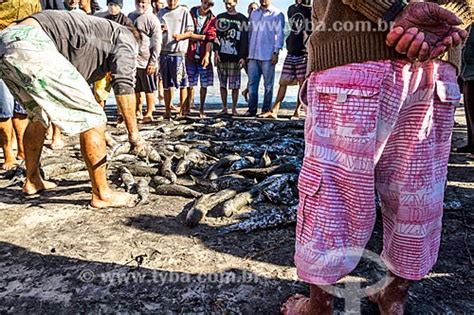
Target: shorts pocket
column 309, row 184
column 448, row 92
column 344, row 101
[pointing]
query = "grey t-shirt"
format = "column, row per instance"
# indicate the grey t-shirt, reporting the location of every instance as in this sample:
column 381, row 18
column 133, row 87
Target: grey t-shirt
column 95, row 46
column 176, row 21
column 150, row 47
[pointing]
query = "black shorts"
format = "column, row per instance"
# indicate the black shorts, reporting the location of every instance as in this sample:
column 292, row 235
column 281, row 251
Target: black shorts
column 145, row 83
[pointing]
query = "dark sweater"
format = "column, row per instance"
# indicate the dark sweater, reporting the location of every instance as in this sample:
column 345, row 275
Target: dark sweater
column 330, row 48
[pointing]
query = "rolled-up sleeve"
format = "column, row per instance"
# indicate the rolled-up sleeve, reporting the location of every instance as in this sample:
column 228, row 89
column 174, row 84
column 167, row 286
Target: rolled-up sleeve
column 123, row 64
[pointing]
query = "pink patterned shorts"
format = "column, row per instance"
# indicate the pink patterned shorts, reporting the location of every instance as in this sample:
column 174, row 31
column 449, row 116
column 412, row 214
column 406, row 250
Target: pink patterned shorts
column 382, row 126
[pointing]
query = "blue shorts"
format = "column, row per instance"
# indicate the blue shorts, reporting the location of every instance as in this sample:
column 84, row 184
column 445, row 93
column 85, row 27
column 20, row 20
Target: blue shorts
column 8, row 105
column 197, row 73
column 173, row 72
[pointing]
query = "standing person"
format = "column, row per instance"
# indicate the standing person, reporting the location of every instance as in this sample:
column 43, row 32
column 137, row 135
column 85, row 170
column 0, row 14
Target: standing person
column 265, row 42
column 13, row 120
column 231, row 52
column 114, row 13
column 49, row 69
column 294, row 67
column 467, row 76
column 198, row 62
column 157, row 6
column 149, row 26
column 177, row 27
column 380, row 116
column 251, row 7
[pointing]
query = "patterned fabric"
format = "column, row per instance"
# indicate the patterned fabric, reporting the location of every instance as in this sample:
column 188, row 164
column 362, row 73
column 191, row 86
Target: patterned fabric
column 13, row 10
column 45, row 82
column 377, row 125
column 197, row 73
column 229, row 75
column 102, row 88
column 173, row 72
column 294, row 70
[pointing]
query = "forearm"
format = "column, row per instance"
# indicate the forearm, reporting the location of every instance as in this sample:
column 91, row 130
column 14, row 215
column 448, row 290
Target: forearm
column 198, row 37
column 186, row 35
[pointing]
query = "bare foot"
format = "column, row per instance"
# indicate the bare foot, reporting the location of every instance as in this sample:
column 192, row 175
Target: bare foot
column 32, row 187
column 139, row 115
column 268, row 115
column 147, row 119
column 9, row 164
column 113, row 199
column 295, row 117
column 235, row 113
column 202, row 114
column 297, row 304
column 57, row 144
column 223, row 112
column 391, row 299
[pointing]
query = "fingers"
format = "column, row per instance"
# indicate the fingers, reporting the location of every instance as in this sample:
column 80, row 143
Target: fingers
column 424, row 53
column 438, row 51
column 406, row 40
column 416, row 45
column 394, row 36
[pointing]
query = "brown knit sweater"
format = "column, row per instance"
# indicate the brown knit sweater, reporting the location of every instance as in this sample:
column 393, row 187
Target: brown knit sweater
column 329, row 48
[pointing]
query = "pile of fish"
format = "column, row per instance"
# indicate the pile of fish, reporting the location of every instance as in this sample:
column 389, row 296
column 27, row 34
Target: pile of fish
column 226, row 166
column 247, row 169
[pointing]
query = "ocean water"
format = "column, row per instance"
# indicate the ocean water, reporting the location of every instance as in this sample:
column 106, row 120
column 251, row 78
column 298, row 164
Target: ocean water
column 213, row 100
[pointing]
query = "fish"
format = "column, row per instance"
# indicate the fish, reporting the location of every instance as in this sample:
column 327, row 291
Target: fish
column 167, row 169
column 143, row 191
column 177, row 190
column 125, row 158
column 225, row 182
column 265, row 160
column 245, row 198
column 158, row 181
column 218, row 168
column 238, row 202
column 151, row 154
column 267, row 171
column 181, row 149
column 120, row 148
column 127, row 179
column 142, row 170
column 259, row 220
column 206, row 203
column 280, row 191
column 244, row 162
column 190, row 159
column 59, row 169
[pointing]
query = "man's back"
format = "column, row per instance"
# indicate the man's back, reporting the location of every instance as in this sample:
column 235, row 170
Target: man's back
column 87, row 41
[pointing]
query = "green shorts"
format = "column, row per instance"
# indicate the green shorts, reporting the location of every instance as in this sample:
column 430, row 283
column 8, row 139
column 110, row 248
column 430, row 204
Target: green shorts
column 45, row 82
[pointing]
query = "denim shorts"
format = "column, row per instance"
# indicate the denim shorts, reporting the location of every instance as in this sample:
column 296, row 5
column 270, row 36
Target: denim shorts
column 8, row 105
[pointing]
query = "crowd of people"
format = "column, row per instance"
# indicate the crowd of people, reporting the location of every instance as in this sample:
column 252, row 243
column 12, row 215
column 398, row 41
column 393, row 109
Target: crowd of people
column 380, row 108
